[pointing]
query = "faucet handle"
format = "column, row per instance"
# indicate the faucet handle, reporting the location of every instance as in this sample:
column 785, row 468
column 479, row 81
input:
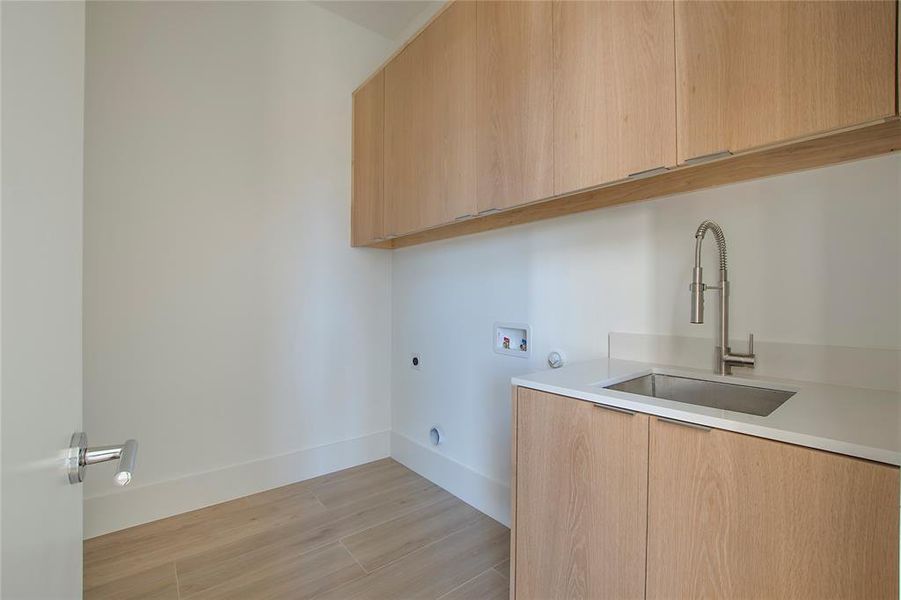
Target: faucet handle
column 751, row 344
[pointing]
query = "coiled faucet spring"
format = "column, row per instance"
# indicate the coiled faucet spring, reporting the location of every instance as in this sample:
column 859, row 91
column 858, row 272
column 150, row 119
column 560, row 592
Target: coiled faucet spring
column 720, row 242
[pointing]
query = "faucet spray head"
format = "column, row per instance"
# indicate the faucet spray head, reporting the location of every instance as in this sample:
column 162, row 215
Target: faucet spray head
column 697, row 279
column 697, row 295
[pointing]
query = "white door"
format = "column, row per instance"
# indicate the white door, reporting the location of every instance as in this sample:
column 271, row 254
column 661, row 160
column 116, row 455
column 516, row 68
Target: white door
column 42, row 108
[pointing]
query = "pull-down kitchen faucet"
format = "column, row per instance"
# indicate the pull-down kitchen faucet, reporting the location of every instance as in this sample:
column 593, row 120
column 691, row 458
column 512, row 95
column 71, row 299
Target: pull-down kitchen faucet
column 724, row 358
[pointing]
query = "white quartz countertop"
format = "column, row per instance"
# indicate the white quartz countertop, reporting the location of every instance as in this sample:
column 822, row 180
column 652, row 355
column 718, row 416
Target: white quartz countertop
column 853, row 421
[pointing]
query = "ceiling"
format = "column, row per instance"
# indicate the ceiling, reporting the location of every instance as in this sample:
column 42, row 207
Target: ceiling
column 388, row 18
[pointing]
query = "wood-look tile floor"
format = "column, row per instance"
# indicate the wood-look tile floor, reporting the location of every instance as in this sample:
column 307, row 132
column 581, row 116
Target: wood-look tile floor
column 375, row 531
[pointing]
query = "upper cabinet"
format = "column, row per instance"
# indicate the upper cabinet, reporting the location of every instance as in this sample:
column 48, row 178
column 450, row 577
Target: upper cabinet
column 540, row 109
column 367, row 206
column 515, row 96
column 430, row 132
column 615, row 105
column 756, row 73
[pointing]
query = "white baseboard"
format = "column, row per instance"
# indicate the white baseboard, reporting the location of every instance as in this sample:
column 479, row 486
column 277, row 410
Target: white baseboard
column 490, row 496
column 136, row 505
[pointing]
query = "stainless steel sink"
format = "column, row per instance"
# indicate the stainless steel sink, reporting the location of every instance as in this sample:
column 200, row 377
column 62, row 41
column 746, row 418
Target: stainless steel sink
column 726, row 396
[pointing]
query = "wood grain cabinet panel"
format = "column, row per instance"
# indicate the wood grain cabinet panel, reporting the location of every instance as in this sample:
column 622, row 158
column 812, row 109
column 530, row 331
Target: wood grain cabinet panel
column 367, row 203
column 581, row 491
column 734, row 516
column 614, row 80
column 515, row 98
column 756, row 73
column 430, row 133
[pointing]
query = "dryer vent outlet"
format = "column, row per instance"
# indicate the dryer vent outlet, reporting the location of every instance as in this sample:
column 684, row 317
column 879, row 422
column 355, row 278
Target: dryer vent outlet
column 435, row 436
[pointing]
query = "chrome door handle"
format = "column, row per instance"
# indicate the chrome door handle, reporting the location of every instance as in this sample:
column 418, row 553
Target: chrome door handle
column 684, row 424
column 708, row 157
column 624, row 411
column 647, row 173
column 80, row 456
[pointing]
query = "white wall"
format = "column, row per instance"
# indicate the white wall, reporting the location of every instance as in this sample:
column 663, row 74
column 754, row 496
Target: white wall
column 813, row 258
column 419, row 21
column 233, row 332
column 227, row 320
column 41, row 278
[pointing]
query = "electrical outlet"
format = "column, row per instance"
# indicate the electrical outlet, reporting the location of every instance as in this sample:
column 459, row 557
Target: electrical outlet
column 416, row 361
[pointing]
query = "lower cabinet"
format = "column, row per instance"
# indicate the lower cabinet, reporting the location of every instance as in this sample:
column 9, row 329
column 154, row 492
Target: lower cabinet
column 581, row 499
column 734, row 516
column 608, row 504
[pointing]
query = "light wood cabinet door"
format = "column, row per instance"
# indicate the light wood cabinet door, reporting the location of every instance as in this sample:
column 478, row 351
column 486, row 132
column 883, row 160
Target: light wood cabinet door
column 430, row 133
column 580, row 499
column 755, row 73
column 614, row 81
column 734, row 516
column 515, row 96
column 367, row 200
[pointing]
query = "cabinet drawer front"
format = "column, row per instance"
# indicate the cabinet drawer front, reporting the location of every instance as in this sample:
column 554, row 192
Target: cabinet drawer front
column 430, row 138
column 734, row 516
column 756, row 73
column 614, row 91
column 581, row 493
column 367, row 205
column 515, row 97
